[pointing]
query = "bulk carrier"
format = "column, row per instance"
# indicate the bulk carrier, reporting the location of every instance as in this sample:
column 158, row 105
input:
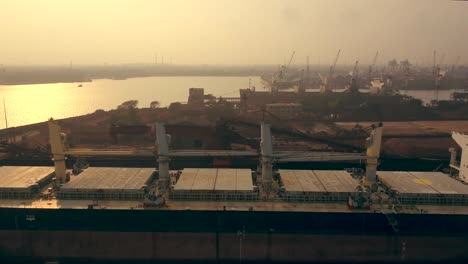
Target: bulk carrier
column 227, row 215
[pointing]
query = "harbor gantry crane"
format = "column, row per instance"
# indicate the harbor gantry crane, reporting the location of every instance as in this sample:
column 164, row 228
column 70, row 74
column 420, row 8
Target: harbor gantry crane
column 279, row 79
column 372, row 66
column 290, row 61
column 454, row 66
column 353, row 86
column 326, row 88
column 437, row 73
column 356, row 69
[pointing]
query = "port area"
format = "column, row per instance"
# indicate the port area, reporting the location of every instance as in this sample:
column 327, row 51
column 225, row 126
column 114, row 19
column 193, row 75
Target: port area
column 417, row 139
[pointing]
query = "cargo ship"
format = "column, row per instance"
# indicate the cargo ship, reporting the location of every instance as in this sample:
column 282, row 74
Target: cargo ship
column 225, row 215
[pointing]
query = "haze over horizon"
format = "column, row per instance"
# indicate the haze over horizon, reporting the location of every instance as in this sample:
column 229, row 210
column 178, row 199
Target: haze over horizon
column 230, row 32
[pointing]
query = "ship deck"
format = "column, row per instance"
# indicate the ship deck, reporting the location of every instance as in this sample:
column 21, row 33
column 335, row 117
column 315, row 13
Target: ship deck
column 317, row 185
column 425, row 187
column 22, row 181
column 232, row 181
column 214, row 184
column 262, row 206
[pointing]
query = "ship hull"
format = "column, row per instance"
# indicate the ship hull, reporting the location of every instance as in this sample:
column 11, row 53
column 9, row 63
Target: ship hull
column 225, row 236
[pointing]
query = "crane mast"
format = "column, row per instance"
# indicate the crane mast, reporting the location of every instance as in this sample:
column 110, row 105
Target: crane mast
column 371, row 68
column 330, row 73
column 289, row 63
column 356, row 68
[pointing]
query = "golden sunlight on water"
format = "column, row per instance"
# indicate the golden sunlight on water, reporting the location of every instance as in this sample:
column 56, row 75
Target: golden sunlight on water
column 27, row 104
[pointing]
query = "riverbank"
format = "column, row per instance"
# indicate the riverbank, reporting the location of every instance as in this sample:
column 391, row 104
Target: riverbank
column 408, row 139
column 78, row 74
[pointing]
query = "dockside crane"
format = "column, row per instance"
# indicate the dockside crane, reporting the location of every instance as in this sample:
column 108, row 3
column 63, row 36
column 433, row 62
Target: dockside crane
column 441, row 61
column 353, row 86
column 455, row 65
column 280, row 77
column 326, row 87
column 437, row 74
column 372, row 66
column 356, row 69
column 290, row 61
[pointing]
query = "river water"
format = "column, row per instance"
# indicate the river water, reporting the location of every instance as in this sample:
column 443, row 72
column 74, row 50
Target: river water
column 27, row 104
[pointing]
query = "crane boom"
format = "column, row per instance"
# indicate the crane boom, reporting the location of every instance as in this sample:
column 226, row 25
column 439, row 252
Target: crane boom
column 441, row 61
column 334, row 63
column 332, row 70
column 286, row 67
column 371, row 67
column 375, row 59
column 291, row 59
column 356, row 68
column 454, row 66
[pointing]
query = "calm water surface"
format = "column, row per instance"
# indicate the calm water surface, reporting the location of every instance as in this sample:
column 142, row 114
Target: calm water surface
column 27, row 104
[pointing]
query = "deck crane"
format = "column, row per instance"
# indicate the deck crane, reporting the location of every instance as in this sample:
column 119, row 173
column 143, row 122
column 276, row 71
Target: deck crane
column 326, row 87
column 371, row 67
column 163, row 153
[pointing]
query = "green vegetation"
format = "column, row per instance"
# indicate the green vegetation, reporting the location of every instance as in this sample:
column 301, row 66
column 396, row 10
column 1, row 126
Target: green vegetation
column 126, row 114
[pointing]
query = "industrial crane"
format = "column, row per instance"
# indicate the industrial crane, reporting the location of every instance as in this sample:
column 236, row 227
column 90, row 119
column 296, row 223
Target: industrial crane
column 437, row 73
column 441, row 61
column 371, row 67
column 356, row 69
column 353, row 84
column 454, row 66
column 290, row 61
column 284, row 68
column 326, row 87
column 279, row 77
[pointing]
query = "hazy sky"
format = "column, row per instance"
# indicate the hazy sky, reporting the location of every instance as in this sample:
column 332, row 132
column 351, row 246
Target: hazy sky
column 230, row 31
